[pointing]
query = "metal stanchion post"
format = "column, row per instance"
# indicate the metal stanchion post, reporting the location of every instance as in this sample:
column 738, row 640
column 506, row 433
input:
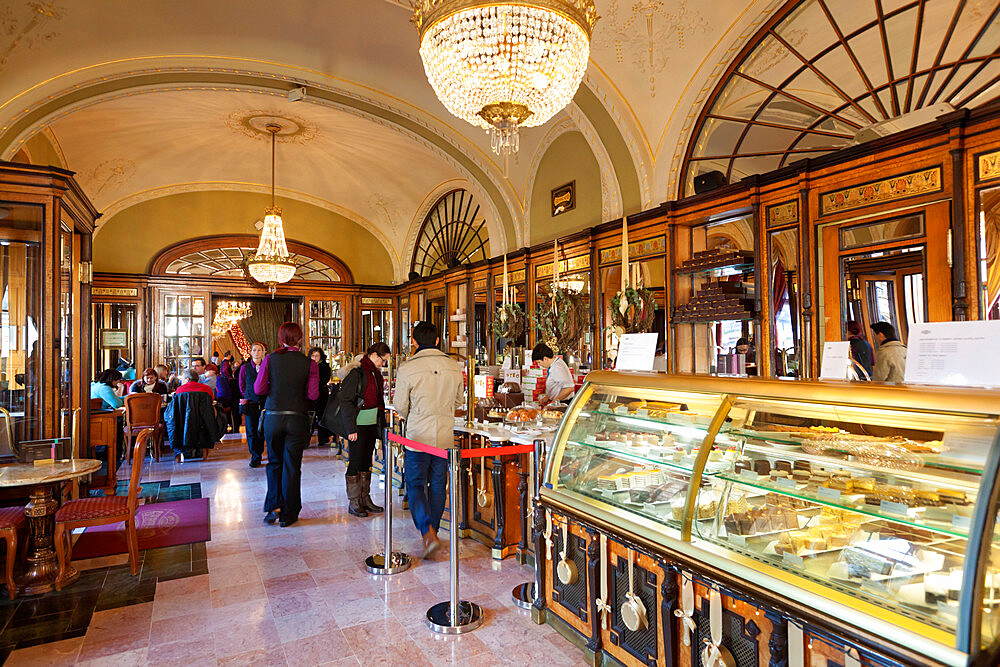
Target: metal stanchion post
column 397, row 561
column 524, row 594
column 454, row 616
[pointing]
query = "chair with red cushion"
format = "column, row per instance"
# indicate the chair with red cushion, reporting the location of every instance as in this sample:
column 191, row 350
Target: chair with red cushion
column 100, row 511
column 11, row 520
column 144, row 411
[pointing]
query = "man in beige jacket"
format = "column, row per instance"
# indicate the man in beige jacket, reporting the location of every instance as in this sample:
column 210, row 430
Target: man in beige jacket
column 429, row 387
column 890, row 356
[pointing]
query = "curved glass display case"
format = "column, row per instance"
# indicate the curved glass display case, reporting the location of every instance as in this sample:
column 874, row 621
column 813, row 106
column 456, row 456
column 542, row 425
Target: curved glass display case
column 872, row 506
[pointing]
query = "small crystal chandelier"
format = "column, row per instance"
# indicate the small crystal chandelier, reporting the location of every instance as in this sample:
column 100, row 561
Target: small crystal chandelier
column 227, row 314
column 271, row 264
column 503, row 65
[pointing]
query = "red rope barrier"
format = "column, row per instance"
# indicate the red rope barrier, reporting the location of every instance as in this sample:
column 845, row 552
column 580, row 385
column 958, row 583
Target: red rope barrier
column 413, row 444
column 477, row 452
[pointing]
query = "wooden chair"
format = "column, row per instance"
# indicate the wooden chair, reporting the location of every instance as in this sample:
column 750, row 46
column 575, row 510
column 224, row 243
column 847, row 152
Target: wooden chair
column 144, row 411
column 101, row 511
column 11, row 520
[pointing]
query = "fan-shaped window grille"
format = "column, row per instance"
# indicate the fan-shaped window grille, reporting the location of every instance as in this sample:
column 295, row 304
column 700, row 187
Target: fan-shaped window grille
column 452, row 234
column 821, row 71
column 226, row 256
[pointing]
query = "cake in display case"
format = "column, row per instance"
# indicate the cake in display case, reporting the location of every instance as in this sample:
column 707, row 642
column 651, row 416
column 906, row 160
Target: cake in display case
column 873, row 505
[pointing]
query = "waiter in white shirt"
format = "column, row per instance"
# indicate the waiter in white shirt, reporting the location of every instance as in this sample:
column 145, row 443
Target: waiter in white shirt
column 559, row 382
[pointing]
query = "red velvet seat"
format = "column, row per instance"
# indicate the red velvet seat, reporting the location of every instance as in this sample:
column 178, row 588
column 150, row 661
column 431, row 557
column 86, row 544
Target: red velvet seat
column 11, row 520
column 101, row 511
column 86, row 509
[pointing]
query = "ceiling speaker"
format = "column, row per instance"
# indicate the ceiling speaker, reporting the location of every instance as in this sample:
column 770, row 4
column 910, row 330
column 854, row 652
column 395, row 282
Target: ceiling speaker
column 710, row 180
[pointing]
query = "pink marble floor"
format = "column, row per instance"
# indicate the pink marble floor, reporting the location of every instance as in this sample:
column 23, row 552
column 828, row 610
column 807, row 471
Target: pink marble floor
column 300, row 595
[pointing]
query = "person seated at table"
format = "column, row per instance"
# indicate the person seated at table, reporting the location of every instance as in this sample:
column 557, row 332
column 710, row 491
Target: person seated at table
column 109, row 387
column 149, row 383
column 193, row 384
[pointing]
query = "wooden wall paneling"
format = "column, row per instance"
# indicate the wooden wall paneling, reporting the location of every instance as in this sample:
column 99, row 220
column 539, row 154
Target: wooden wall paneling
column 832, row 316
column 683, row 352
column 762, row 281
column 938, row 282
column 571, row 603
column 961, row 230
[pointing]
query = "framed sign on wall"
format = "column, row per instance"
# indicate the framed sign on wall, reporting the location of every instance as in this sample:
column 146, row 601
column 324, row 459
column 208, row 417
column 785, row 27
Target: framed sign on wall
column 114, row 339
column 564, row 198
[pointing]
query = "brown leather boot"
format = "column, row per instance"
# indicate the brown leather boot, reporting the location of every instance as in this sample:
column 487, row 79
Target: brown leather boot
column 354, row 496
column 365, row 483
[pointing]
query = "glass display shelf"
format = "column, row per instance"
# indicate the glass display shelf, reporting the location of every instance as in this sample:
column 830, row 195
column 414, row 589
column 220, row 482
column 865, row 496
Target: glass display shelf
column 725, row 270
column 684, row 466
column 673, row 419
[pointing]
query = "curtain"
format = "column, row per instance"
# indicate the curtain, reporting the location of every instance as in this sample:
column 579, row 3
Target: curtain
column 779, row 289
column 263, row 324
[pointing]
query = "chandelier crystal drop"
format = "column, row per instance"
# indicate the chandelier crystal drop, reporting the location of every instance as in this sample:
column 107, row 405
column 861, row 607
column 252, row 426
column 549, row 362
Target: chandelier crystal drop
column 271, row 264
column 505, row 65
column 227, row 314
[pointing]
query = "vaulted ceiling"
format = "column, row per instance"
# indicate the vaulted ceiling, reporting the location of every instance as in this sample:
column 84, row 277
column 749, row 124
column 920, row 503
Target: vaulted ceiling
column 147, row 99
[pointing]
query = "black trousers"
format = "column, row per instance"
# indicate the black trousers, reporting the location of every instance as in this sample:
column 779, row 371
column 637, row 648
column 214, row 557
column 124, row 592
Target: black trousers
column 286, row 437
column 361, row 450
column 251, row 424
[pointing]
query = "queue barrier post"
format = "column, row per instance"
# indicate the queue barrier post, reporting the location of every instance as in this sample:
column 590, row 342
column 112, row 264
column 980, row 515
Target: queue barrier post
column 389, row 561
column 523, row 595
column 454, row 616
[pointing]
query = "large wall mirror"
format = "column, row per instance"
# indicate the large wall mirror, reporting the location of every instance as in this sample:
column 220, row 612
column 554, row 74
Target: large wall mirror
column 480, row 334
column 786, row 328
column 649, row 273
column 114, row 340
column 988, row 223
column 518, row 295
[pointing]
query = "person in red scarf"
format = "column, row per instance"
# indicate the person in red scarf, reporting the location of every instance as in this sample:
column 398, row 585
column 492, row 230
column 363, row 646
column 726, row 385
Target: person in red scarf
column 363, row 408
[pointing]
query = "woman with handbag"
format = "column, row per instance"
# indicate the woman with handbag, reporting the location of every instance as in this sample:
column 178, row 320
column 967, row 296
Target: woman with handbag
column 362, row 410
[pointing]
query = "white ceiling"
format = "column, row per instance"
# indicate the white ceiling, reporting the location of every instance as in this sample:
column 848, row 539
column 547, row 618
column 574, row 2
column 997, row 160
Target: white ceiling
column 651, row 62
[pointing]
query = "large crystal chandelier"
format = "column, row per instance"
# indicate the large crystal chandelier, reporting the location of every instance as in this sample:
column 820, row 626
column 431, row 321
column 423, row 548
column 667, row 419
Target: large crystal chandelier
column 271, row 264
column 502, row 65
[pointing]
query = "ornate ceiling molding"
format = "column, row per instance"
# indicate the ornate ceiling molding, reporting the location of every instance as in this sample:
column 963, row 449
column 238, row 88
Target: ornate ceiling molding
column 383, row 107
column 228, row 186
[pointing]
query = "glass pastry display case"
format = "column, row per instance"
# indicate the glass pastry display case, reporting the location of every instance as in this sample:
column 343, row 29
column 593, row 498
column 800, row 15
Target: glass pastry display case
column 871, row 505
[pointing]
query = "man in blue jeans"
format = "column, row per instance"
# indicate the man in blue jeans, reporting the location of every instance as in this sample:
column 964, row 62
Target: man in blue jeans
column 429, row 387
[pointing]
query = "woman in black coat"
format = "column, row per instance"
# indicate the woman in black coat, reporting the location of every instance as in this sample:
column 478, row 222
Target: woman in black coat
column 362, row 405
column 323, row 435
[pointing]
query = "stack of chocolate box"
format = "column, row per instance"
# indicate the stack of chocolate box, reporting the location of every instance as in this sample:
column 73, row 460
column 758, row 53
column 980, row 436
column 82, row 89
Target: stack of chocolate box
column 718, row 300
column 717, row 258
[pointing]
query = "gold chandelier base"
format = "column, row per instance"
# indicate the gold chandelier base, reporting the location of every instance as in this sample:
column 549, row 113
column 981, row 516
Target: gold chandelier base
column 505, row 119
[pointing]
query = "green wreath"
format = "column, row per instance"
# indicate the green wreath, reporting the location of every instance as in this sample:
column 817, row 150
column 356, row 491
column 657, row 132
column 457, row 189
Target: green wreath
column 509, row 322
column 562, row 318
column 640, row 310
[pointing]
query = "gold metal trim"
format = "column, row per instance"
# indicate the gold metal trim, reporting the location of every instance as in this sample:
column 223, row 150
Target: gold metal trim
column 901, row 186
column 694, row 486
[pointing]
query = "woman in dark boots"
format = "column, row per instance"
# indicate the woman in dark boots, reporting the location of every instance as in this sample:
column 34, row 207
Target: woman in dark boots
column 363, row 410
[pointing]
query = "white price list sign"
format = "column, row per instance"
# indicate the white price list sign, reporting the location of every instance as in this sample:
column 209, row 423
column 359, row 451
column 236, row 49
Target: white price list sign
column 836, row 360
column 964, row 354
column 636, row 352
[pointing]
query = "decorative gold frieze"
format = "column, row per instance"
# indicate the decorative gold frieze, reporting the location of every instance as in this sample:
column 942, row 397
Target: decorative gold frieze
column 988, row 166
column 114, row 291
column 579, row 263
column 877, row 192
column 783, row 214
column 478, row 285
column 636, row 250
column 376, row 301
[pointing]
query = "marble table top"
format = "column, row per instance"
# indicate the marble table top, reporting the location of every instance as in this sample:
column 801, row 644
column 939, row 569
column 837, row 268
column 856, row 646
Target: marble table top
column 28, row 474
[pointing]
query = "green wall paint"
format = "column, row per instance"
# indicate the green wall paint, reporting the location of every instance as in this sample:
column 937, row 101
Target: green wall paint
column 42, row 152
column 569, row 158
column 617, row 149
column 134, row 237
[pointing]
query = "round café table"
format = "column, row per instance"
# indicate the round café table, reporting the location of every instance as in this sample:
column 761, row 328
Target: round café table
column 40, row 511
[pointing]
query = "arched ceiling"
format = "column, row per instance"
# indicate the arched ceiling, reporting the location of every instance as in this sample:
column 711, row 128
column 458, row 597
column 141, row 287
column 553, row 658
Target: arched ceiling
column 143, row 82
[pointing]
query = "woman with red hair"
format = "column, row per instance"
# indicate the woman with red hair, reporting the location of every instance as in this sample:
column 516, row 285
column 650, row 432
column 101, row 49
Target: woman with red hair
column 289, row 380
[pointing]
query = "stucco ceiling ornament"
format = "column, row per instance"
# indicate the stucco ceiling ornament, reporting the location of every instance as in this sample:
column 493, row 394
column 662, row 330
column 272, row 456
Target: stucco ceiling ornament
column 505, row 65
column 647, row 32
column 253, row 123
column 25, row 28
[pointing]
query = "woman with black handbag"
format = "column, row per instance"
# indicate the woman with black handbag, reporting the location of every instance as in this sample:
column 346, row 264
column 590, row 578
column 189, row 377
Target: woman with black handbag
column 323, row 434
column 362, row 410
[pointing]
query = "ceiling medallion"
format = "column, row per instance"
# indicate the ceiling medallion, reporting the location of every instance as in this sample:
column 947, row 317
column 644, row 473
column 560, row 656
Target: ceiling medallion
column 254, row 124
column 504, row 65
column 271, row 264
